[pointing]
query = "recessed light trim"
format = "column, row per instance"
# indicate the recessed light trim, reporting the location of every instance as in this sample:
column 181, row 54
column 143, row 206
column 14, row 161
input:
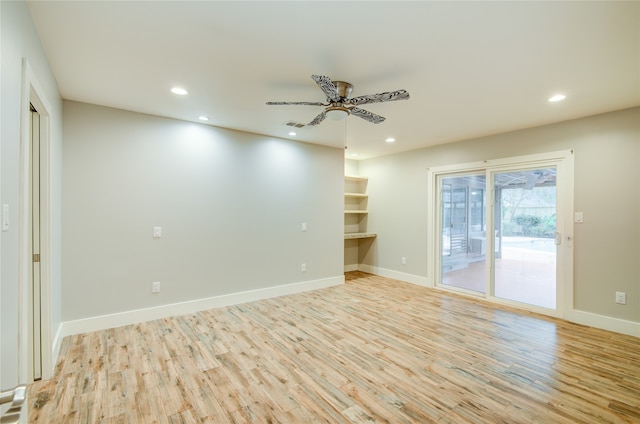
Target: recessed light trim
column 292, row 133
column 390, row 140
column 557, row 98
column 203, row 118
column 179, row 91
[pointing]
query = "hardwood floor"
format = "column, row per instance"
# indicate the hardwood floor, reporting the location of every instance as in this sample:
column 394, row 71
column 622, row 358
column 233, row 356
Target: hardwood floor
column 372, row 350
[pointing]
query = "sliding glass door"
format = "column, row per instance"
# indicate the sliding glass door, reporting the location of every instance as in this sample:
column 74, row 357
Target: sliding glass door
column 497, row 232
column 462, row 235
column 525, row 217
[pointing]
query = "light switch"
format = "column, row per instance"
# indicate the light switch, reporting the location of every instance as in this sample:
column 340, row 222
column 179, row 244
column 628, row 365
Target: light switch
column 303, row 227
column 157, row 232
column 579, row 218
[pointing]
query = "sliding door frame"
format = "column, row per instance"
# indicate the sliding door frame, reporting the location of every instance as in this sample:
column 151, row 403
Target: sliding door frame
column 564, row 163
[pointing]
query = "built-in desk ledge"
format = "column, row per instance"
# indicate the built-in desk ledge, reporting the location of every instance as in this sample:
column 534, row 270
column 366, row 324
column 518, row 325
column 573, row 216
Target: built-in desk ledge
column 359, row 235
column 355, row 178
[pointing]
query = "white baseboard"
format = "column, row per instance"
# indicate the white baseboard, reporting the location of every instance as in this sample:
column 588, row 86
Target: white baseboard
column 120, row 319
column 396, row 275
column 352, row 267
column 604, row 322
column 578, row 317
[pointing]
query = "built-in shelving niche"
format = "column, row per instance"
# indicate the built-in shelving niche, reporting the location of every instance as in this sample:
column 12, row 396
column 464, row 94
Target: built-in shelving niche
column 356, row 236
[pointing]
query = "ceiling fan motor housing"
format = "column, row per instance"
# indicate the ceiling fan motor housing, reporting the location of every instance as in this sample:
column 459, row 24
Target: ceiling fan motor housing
column 344, row 89
column 337, row 110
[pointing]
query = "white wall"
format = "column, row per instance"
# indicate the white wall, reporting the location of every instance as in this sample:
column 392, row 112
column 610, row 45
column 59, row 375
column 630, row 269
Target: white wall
column 230, row 205
column 607, row 191
column 19, row 40
column 351, row 167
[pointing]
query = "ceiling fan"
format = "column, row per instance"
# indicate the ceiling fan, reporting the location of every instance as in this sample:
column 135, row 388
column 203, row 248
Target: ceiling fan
column 340, row 104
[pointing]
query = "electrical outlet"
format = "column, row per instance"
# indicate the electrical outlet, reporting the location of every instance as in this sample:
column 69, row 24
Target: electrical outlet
column 157, row 232
column 155, row 287
column 303, row 267
column 621, row 298
column 403, row 260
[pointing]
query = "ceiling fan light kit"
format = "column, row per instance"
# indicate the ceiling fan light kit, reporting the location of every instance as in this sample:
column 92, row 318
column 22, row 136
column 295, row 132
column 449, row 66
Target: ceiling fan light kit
column 340, row 104
column 337, row 113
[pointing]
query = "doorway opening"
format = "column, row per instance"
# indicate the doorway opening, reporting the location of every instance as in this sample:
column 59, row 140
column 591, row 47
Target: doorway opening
column 36, row 347
column 35, row 281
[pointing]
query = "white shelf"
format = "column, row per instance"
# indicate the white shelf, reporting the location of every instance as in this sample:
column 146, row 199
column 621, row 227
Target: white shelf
column 349, row 236
column 357, row 240
column 354, row 178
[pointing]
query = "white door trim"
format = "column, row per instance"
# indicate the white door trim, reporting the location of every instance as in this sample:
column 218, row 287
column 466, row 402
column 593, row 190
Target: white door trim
column 32, row 93
column 564, row 161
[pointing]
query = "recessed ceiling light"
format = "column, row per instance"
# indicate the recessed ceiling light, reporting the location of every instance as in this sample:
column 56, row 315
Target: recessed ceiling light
column 390, row 140
column 292, row 133
column 557, row 98
column 354, row 155
column 203, row 118
column 180, row 91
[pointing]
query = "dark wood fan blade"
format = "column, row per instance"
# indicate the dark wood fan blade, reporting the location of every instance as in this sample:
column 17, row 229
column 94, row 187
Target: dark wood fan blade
column 366, row 115
column 389, row 96
column 318, row 118
column 298, row 103
column 327, row 87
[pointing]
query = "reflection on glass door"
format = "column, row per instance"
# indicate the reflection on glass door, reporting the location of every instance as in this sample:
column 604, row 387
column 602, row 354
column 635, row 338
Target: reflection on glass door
column 462, row 232
column 525, row 224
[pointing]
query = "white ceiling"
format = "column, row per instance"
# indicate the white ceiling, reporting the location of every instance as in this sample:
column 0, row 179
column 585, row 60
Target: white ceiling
column 471, row 68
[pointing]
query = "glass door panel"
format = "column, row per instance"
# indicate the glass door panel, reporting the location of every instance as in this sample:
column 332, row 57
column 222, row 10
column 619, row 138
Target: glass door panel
column 525, row 229
column 462, row 231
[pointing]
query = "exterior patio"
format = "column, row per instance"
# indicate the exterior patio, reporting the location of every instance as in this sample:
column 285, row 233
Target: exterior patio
column 525, row 272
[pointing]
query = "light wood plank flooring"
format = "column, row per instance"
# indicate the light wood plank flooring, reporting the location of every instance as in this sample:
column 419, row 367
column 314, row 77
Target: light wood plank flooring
column 373, row 350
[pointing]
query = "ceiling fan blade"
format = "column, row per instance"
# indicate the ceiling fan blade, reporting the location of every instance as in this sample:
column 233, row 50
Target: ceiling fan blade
column 297, row 103
column 318, row 118
column 327, row 87
column 366, row 115
column 380, row 97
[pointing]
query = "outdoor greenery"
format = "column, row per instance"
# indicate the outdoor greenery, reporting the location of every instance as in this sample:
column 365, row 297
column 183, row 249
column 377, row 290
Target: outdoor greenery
column 530, row 226
column 527, row 213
